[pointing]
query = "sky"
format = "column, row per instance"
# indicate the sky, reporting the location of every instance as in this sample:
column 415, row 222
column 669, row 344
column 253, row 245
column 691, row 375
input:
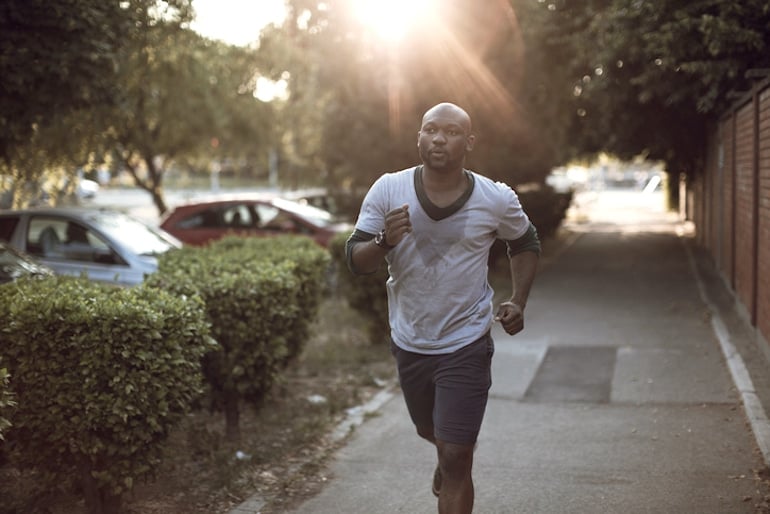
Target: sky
column 237, row 22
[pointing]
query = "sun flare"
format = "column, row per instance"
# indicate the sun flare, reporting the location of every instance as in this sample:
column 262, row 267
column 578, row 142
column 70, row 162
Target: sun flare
column 392, row 19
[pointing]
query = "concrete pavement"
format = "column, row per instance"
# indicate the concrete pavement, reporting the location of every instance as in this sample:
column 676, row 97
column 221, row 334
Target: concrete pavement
column 617, row 397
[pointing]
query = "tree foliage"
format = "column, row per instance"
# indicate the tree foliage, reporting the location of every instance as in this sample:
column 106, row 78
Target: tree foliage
column 544, row 81
column 368, row 96
column 58, row 62
column 647, row 76
column 86, row 80
column 182, row 97
column 55, row 59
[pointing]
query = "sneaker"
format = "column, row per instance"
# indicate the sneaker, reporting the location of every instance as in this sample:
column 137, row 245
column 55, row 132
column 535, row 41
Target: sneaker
column 436, row 486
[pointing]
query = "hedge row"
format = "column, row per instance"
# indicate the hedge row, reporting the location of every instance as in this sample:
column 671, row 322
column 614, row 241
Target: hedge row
column 101, row 375
column 261, row 296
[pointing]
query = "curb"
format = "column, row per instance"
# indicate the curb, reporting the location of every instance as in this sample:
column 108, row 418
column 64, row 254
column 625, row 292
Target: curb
column 355, row 417
column 760, row 425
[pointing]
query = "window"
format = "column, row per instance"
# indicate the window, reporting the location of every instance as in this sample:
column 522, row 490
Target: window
column 57, row 238
column 238, row 216
column 7, row 226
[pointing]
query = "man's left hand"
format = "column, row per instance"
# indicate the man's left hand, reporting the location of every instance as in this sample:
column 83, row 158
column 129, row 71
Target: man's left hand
column 511, row 316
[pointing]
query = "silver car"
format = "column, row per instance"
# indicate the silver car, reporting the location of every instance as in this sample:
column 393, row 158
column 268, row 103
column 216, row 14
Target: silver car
column 107, row 246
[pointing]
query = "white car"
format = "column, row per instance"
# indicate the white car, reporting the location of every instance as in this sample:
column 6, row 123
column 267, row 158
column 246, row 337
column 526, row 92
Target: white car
column 86, row 189
column 107, row 246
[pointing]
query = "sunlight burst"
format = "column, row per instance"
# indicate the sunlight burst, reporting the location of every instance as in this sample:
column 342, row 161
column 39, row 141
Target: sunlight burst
column 392, row 19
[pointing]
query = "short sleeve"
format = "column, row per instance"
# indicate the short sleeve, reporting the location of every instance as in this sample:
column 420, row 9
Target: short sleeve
column 373, row 209
column 514, row 222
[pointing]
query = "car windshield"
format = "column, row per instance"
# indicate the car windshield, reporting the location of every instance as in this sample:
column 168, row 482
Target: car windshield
column 133, row 234
column 318, row 217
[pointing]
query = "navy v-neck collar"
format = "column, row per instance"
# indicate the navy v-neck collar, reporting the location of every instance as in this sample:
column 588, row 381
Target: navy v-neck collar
column 432, row 210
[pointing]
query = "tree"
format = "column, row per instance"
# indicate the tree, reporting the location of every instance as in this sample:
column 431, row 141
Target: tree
column 58, row 62
column 367, row 96
column 183, row 97
column 648, row 75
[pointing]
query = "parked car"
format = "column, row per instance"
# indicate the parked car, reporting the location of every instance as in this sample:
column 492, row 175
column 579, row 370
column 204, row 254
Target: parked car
column 343, row 205
column 15, row 264
column 108, row 246
column 203, row 220
column 86, row 189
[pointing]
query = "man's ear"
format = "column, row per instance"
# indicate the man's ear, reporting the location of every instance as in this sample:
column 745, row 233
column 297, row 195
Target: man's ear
column 469, row 141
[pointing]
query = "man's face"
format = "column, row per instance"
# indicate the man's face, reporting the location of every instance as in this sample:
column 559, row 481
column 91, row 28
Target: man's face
column 444, row 140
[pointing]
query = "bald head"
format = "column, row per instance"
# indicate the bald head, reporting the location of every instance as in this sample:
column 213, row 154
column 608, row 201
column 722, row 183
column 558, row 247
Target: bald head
column 451, row 111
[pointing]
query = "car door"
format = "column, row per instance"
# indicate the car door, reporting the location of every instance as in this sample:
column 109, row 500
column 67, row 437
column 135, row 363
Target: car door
column 70, row 247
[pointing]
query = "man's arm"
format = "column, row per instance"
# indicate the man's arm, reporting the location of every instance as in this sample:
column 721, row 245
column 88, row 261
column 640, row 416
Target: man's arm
column 524, row 254
column 362, row 254
column 523, row 270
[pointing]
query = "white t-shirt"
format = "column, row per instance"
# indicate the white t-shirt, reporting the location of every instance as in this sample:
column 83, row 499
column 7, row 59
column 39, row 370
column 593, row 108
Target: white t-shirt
column 439, row 299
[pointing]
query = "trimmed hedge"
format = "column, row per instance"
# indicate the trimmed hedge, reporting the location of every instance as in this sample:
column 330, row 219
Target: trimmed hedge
column 310, row 265
column 260, row 297
column 100, row 375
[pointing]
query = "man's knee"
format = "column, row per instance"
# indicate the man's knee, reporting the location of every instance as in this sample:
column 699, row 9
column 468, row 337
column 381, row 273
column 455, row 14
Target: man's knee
column 455, row 459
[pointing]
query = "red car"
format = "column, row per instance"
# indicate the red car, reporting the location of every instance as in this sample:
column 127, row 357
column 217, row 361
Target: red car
column 203, row 220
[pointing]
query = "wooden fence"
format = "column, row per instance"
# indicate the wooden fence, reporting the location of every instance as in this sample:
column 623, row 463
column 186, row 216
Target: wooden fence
column 730, row 204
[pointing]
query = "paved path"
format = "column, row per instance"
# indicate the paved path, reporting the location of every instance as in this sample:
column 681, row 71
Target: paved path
column 616, row 399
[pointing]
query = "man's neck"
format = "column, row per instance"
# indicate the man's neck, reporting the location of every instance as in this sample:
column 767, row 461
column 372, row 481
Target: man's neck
column 444, row 187
column 444, row 180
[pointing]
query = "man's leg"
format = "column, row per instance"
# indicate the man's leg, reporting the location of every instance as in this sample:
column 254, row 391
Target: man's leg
column 446, row 396
column 456, row 464
column 462, row 383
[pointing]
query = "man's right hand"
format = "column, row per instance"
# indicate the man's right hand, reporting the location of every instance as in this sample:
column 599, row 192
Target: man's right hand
column 397, row 225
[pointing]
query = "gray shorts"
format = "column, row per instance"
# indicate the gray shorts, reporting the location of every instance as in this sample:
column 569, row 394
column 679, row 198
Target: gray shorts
column 448, row 392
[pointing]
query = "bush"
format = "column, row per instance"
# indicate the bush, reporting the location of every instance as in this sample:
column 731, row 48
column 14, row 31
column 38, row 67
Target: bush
column 6, row 401
column 260, row 297
column 545, row 207
column 101, row 375
column 365, row 294
column 309, row 264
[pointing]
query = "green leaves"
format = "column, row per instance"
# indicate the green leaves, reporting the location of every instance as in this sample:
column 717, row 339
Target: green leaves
column 100, row 374
column 260, row 296
column 666, row 67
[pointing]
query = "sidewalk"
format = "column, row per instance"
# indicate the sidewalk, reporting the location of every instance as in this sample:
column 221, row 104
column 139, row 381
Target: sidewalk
column 617, row 397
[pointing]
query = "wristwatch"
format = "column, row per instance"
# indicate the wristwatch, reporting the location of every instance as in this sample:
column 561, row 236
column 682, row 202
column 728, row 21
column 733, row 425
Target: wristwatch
column 381, row 240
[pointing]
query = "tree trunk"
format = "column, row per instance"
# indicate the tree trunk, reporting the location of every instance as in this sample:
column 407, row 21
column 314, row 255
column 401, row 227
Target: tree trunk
column 159, row 201
column 98, row 499
column 232, row 417
column 153, row 184
column 156, row 184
